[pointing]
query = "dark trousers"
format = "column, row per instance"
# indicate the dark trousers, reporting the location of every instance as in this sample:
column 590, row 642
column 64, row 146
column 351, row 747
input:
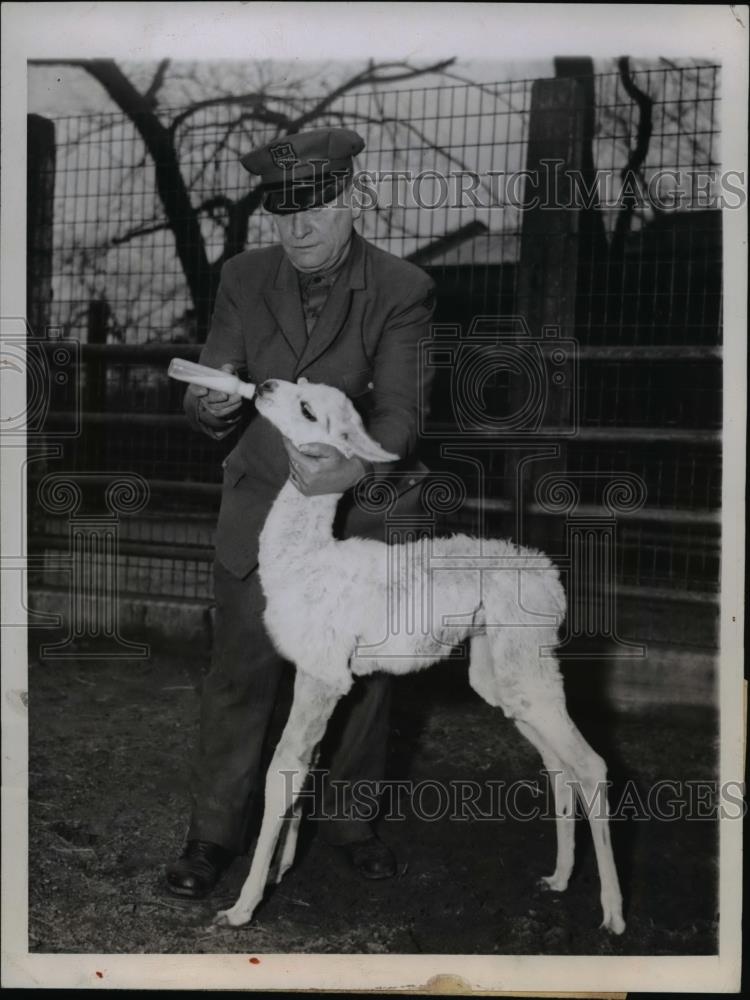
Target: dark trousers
column 237, row 703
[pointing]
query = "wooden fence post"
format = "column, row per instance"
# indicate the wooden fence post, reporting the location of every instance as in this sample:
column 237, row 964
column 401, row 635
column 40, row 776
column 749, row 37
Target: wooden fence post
column 40, row 200
column 40, row 191
column 547, row 284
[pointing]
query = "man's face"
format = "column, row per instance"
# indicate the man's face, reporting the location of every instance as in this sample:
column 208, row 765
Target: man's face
column 313, row 239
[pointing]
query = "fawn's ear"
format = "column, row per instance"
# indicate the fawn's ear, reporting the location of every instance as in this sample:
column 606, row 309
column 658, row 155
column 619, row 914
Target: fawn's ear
column 302, row 380
column 358, row 442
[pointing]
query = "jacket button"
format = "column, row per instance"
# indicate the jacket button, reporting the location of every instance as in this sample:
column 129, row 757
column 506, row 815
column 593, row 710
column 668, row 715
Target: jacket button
column 370, row 385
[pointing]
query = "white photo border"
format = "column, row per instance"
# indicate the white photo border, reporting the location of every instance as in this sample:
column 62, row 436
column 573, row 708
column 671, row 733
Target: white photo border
column 418, row 31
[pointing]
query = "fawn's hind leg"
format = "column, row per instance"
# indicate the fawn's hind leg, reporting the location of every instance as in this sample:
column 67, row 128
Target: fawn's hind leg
column 487, row 681
column 564, row 796
column 590, row 775
column 511, row 675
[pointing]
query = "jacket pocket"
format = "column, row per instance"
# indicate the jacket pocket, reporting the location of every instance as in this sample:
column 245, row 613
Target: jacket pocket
column 358, row 383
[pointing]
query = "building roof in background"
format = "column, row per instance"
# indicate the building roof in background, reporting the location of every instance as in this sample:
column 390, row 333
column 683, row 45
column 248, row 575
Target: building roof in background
column 469, row 245
column 473, row 245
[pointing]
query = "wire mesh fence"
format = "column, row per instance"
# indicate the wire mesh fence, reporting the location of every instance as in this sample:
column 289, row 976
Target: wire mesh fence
column 447, row 163
column 112, row 241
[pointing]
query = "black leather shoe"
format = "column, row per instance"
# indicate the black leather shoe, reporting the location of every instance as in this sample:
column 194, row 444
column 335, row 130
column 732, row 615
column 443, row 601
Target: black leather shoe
column 371, row 858
column 198, row 869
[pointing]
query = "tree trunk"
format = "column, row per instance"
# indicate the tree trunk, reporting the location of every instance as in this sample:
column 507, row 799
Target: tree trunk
column 181, row 216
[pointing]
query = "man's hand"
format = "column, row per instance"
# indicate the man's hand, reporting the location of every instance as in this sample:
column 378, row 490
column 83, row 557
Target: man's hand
column 320, row 468
column 217, row 408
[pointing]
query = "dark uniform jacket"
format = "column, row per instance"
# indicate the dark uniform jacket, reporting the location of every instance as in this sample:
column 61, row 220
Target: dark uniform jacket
column 365, row 342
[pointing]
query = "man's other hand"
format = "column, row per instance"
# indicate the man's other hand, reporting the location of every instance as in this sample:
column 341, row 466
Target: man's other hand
column 320, row 468
column 218, row 407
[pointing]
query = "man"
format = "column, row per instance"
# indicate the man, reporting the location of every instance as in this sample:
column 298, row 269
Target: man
column 326, row 305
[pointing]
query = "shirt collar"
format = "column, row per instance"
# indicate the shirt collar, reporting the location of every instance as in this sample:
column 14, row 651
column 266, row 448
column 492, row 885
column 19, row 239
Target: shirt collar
column 353, row 269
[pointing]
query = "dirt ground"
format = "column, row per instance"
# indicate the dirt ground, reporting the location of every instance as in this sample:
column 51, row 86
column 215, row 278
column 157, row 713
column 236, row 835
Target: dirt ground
column 109, row 746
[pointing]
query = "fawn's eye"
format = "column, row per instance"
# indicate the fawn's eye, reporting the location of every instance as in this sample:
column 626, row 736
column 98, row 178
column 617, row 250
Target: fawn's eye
column 307, row 413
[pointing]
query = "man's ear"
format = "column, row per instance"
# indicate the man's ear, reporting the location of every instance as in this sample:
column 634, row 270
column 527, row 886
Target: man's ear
column 352, row 200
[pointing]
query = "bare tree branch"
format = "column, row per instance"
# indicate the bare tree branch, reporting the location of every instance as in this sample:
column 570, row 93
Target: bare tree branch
column 156, row 83
column 645, row 124
column 254, row 100
column 483, row 88
column 632, row 172
column 146, row 229
column 239, row 216
column 368, row 76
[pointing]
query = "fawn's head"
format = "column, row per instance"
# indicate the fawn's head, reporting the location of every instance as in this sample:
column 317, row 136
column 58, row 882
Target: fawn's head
column 307, row 412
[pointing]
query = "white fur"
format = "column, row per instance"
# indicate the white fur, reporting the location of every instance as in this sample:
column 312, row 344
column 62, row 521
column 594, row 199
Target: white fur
column 343, row 608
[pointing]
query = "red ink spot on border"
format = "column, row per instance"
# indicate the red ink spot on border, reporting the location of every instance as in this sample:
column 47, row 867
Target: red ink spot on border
column 100, row 975
column 254, row 961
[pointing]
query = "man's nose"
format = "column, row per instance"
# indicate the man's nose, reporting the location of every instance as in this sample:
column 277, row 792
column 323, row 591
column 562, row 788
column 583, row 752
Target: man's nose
column 300, row 225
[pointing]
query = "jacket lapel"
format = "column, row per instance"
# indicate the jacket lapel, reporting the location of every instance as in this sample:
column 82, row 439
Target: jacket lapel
column 336, row 310
column 284, row 301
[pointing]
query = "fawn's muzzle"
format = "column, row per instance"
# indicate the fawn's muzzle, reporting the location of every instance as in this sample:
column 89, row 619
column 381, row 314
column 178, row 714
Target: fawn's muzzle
column 266, row 388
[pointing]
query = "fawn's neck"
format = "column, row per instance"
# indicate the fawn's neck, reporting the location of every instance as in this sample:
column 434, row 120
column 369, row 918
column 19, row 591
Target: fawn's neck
column 296, row 526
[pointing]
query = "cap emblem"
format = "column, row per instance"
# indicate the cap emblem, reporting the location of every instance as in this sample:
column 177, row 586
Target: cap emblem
column 283, row 155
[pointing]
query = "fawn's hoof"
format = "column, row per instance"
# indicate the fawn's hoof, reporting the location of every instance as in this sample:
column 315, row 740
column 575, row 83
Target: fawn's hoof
column 553, row 883
column 613, row 922
column 232, row 918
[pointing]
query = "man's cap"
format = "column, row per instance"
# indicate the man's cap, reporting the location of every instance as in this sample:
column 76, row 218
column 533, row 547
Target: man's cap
column 304, row 170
